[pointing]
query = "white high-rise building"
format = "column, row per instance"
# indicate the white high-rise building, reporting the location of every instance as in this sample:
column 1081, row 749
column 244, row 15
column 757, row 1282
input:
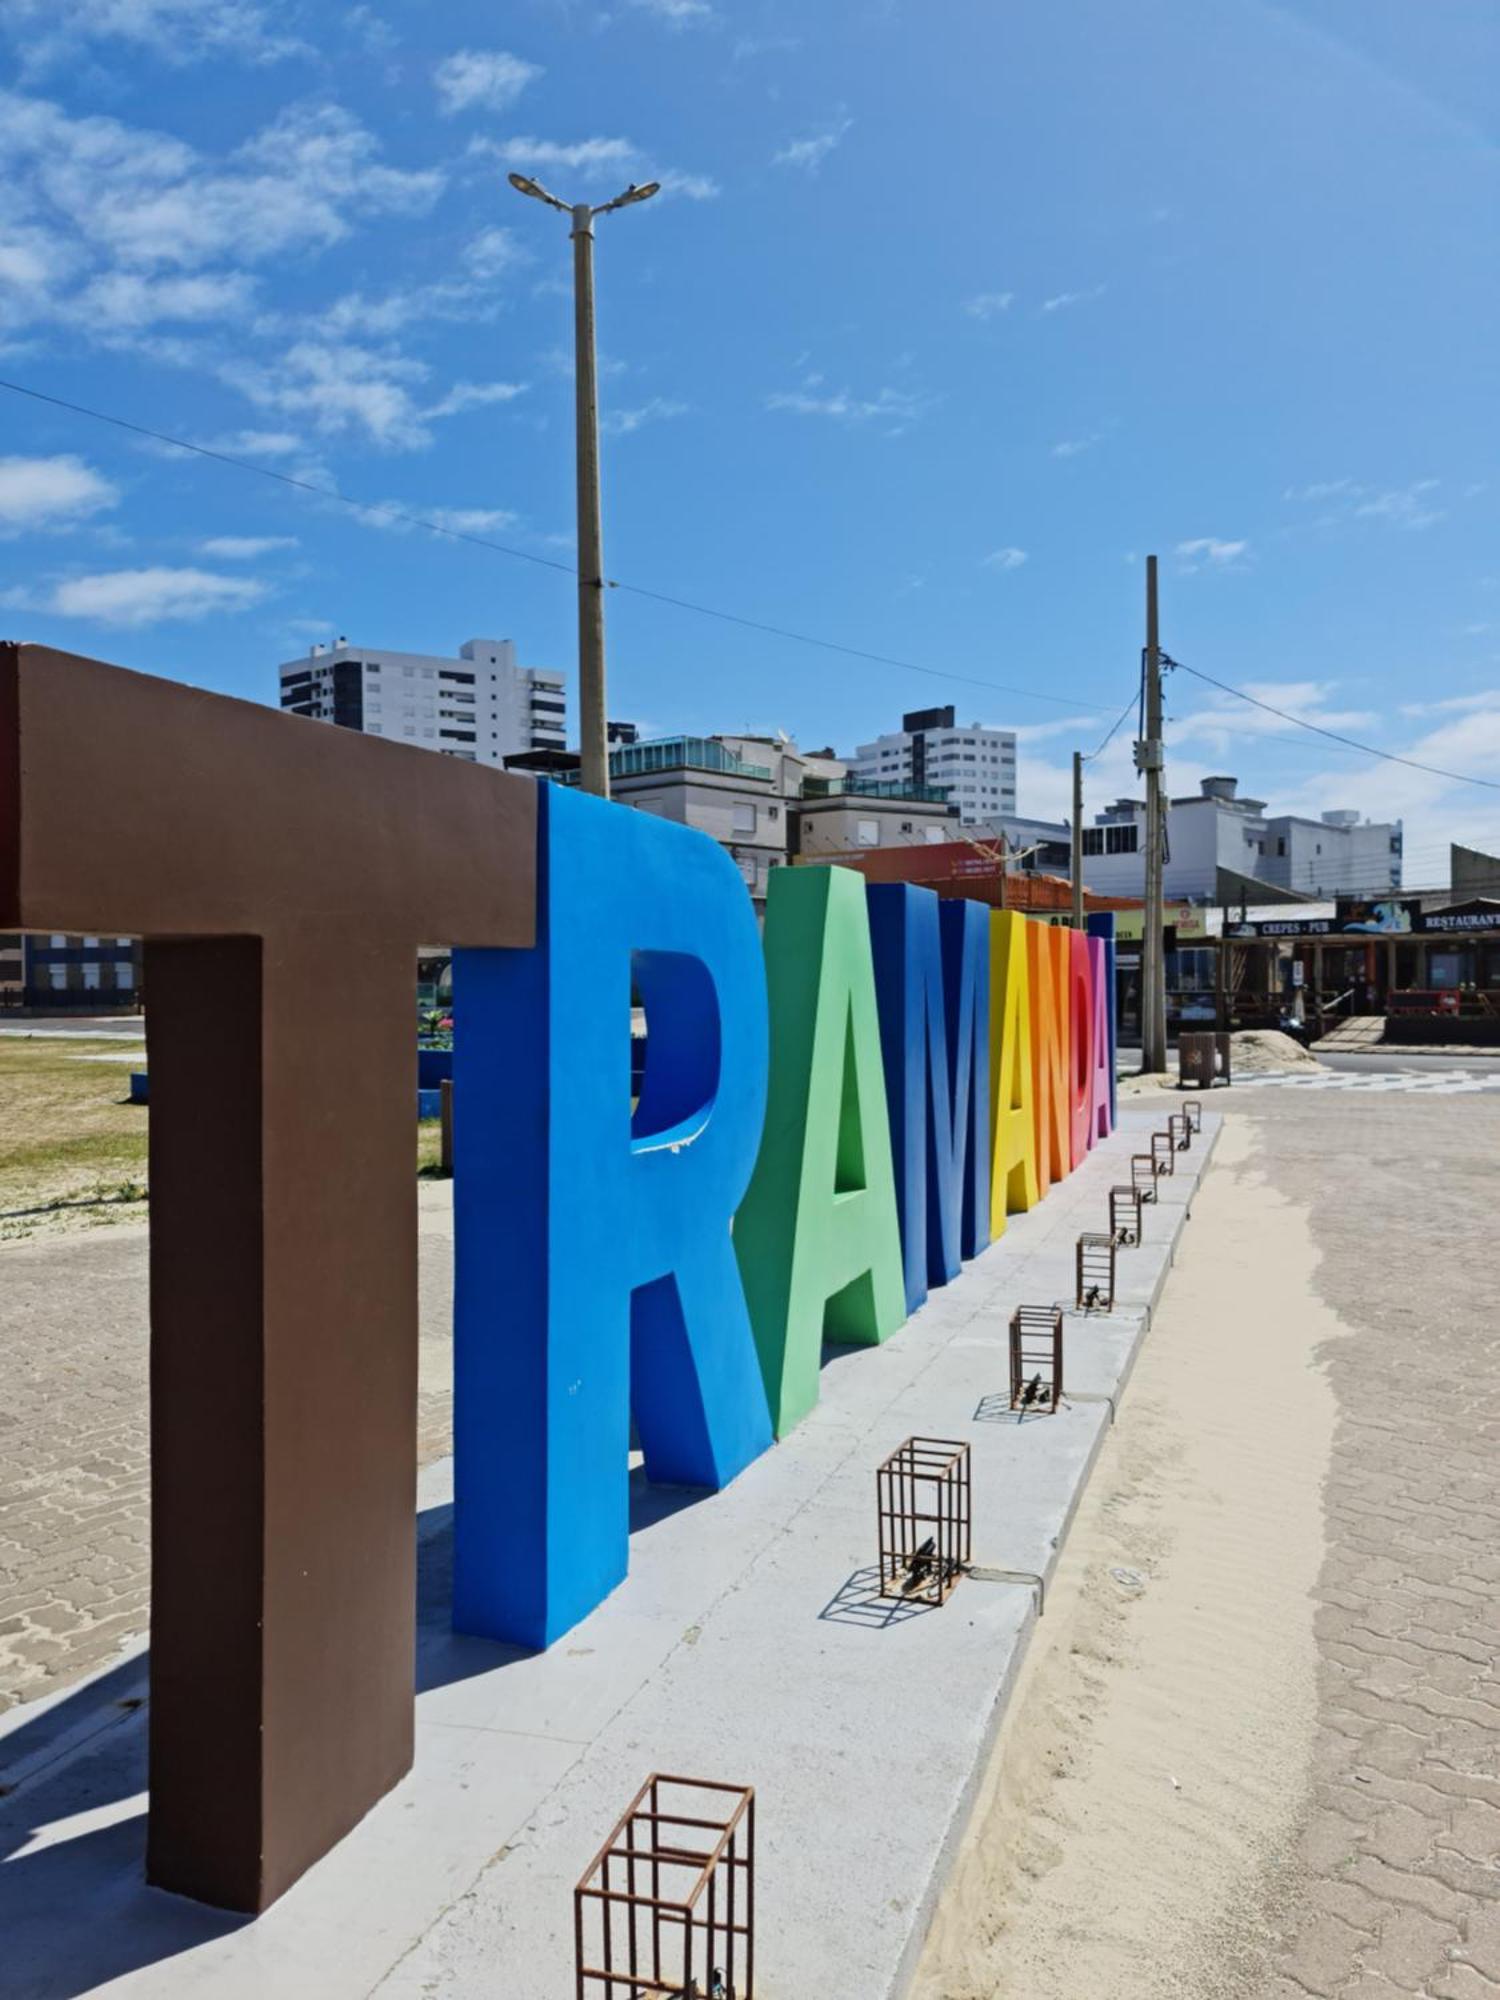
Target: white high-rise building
column 976, row 765
column 481, row 707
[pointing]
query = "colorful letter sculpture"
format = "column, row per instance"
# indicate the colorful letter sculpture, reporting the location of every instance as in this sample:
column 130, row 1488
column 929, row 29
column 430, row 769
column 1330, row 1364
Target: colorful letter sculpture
column 966, row 995
column 1101, row 1042
column 1080, row 1047
column 907, row 949
column 817, row 1235
column 1013, row 1123
column 1047, row 958
column 265, row 859
column 1102, row 928
column 678, row 1263
column 594, row 1273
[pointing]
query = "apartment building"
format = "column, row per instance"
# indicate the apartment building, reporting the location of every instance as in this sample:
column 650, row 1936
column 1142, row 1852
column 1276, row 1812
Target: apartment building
column 1218, row 840
column 481, row 707
column 975, row 764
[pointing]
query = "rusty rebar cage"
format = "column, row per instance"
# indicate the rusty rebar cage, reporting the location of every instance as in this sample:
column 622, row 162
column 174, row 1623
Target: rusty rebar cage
column 1036, row 1359
column 1096, row 1272
column 667, row 1905
column 1179, row 1131
column 1192, row 1111
column 1161, row 1153
column 1143, row 1176
column 922, row 1501
column 1126, row 1222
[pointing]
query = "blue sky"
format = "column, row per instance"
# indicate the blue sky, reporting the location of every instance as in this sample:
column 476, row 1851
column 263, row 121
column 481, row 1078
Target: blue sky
column 949, row 312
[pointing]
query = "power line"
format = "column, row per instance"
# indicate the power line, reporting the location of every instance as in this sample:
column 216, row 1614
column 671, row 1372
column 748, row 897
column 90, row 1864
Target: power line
column 1349, row 742
column 526, row 555
column 1090, row 755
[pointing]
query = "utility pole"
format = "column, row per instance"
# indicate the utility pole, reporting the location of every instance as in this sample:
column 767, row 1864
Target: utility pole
column 593, row 726
column 1149, row 760
column 1078, row 840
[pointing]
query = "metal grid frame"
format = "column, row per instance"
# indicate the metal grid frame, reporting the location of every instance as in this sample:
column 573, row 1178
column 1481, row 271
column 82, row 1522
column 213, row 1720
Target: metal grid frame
column 1095, row 1291
column 668, row 1902
column 1143, row 1176
column 1179, row 1131
column 922, row 1504
column 1162, row 1149
column 1036, row 1359
column 1126, row 1202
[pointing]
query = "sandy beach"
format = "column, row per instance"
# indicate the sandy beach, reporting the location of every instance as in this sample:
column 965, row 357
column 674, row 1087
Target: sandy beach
column 1231, row 1768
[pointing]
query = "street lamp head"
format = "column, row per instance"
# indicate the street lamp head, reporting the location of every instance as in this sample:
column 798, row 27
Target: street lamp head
column 524, row 184
column 631, row 194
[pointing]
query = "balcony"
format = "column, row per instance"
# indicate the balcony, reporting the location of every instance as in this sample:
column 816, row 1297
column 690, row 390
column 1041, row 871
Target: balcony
column 852, row 787
column 678, row 753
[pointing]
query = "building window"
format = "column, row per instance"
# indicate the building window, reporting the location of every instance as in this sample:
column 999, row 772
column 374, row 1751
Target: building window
column 744, row 818
column 1093, row 840
column 867, row 832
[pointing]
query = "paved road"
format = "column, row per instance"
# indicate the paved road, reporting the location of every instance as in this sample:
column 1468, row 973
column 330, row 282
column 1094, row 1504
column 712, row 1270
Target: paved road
column 1476, row 1061
column 1396, row 1888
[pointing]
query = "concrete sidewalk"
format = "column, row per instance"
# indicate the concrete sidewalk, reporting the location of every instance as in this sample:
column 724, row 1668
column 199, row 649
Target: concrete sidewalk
column 747, row 1645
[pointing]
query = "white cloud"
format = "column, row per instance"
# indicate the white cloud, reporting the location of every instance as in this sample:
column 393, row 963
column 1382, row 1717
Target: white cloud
column 485, row 79
column 1061, row 300
column 244, row 548
column 588, row 157
column 38, row 493
column 620, row 423
column 1403, row 507
column 178, row 31
column 765, row 45
column 1455, row 704
column 676, row 11
column 1075, row 447
column 590, row 160
column 256, row 444
column 1209, row 552
column 695, row 187
column 126, row 300
column 376, row 36
column 339, row 387
column 492, row 251
column 1007, row 558
column 473, row 520
column 144, row 201
column 1410, row 507
column 149, row 596
column 989, row 305
column 474, row 396
column 396, row 516
column 893, row 405
column 810, row 153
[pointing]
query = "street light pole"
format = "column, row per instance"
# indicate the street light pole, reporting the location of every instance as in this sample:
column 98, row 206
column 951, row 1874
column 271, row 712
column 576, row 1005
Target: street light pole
column 593, row 726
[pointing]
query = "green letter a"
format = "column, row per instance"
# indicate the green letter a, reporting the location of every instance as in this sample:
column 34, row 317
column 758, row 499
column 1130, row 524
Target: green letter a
column 817, row 1237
